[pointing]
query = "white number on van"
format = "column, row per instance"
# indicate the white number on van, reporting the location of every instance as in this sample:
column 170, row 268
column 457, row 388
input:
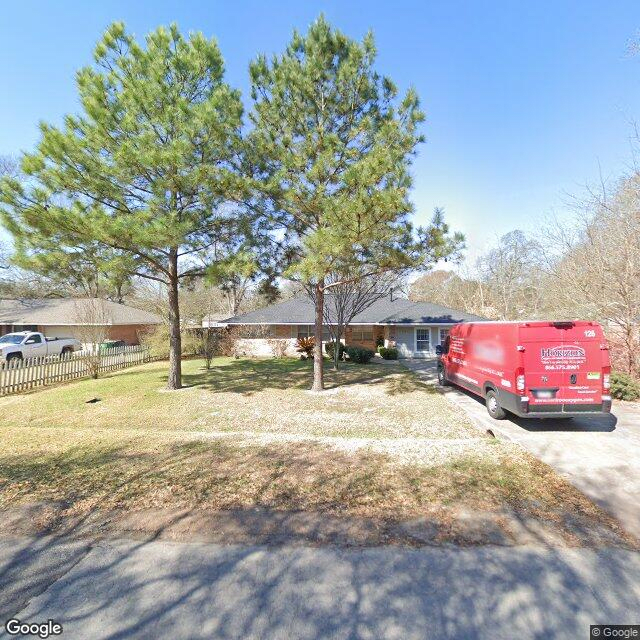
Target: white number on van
column 590, row 333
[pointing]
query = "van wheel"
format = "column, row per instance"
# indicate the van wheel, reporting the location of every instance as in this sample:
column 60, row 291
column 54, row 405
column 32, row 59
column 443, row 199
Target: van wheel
column 442, row 379
column 493, row 406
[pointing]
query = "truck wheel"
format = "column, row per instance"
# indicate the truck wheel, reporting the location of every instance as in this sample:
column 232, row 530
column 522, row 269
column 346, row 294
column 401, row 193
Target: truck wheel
column 66, row 352
column 14, row 357
column 493, row 406
column 442, row 378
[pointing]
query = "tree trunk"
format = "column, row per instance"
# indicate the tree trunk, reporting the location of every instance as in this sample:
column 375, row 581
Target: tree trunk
column 175, row 340
column 318, row 364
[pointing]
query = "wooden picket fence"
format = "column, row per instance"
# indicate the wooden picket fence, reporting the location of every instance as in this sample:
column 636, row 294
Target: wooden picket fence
column 21, row 375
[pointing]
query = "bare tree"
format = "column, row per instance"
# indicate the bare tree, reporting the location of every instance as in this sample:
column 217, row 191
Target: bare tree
column 4, row 257
column 506, row 283
column 348, row 298
column 510, row 275
column 202, row 304
column 207, row 341
column 92, row 329
column 8, row 167
column 595, row 266
column 291, row 289
column 459, row 290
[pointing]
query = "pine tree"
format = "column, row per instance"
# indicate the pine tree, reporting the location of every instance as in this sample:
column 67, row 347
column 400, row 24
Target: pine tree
column 144, row 171
column 334, row 145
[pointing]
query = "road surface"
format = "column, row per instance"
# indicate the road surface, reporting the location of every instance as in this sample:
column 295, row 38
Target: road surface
column 159, row 589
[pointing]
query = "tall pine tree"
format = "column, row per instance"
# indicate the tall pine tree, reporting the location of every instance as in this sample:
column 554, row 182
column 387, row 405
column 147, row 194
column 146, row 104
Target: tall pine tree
column 334, row 145
column 144, row 170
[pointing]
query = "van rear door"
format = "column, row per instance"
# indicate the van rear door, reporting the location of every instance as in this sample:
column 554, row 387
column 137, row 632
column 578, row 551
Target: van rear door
column 563, row 363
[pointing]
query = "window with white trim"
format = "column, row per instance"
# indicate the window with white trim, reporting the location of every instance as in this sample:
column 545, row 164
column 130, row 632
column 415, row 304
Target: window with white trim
column 443, row 335
column 423, row 339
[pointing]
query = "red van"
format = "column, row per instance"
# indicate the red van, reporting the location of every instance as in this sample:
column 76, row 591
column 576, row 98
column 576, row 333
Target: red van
column 532, row 369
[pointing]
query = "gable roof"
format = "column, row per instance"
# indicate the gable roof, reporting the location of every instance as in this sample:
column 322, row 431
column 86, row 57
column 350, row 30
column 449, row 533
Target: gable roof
column 71, row 311
column 384, row 311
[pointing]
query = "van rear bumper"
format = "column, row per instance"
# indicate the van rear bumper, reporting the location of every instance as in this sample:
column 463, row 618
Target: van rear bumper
column 520, row 406
column 565, row 410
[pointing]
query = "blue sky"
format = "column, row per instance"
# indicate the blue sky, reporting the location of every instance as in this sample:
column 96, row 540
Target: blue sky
column 525, row 102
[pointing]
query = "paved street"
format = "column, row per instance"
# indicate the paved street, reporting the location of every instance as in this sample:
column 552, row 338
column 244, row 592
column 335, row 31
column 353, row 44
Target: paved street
column 598, row 455
column 179, row 590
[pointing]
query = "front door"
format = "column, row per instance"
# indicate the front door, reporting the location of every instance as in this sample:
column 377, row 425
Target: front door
column 405, row 341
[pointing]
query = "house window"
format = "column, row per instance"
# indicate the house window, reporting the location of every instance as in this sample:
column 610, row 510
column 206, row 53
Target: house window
column 257, row 331
column 308, row 331
column 422, row 339
column 361, row 334
column 24, row 327
column 443, row 335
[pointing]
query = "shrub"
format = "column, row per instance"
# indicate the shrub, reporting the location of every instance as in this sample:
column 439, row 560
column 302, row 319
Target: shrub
column 156, row 340
column 329, row 348
column 388, row 353
column 359, row 354
column 305, row 346
column 230, row 342
column 624, row 387
column 206, row 343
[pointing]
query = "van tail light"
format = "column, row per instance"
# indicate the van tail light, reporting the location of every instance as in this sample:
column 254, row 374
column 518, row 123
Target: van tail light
column 606, row 379
column 520, row 379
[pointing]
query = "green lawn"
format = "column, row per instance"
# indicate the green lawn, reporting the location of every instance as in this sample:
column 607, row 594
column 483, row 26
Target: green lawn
column 379, row 401
column 378, row 443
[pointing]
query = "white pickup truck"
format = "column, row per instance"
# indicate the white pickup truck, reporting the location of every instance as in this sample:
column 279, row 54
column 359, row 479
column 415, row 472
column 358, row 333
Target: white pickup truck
column 31, row 344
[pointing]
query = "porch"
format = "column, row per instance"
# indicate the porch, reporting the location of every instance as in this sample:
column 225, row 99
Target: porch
column 416, row 341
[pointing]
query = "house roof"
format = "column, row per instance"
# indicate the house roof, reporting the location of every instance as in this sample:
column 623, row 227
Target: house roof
column 71, row 311
column 384, row 311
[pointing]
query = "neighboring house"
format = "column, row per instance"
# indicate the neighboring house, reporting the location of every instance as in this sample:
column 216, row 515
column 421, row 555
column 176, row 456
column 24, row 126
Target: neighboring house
column 415, row 328
column 68, row 317
column 213, row 321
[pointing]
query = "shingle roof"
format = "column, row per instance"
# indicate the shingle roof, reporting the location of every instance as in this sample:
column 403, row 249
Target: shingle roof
column 428, row 313
column 71, row 311
column 293, row 311
column 385, row 311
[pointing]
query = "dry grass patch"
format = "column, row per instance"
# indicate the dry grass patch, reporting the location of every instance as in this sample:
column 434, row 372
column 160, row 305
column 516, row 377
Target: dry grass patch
column 137, row 475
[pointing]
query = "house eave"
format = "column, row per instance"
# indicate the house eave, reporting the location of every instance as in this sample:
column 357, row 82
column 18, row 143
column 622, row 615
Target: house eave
column 419, row 324
column 351, row 324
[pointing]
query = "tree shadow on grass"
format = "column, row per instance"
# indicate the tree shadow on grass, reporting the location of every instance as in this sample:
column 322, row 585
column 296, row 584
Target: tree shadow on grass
column 248, row 376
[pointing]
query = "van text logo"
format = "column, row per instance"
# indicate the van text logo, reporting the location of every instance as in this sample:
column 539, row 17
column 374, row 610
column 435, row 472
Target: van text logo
column 564, row 353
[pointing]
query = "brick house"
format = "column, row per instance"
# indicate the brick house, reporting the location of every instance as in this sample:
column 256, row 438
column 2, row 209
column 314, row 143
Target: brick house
column 415, row 328
column 65, row 317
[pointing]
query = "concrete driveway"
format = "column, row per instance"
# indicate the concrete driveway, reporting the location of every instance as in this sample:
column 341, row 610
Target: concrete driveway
column 598, row 455
column 125, row 589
